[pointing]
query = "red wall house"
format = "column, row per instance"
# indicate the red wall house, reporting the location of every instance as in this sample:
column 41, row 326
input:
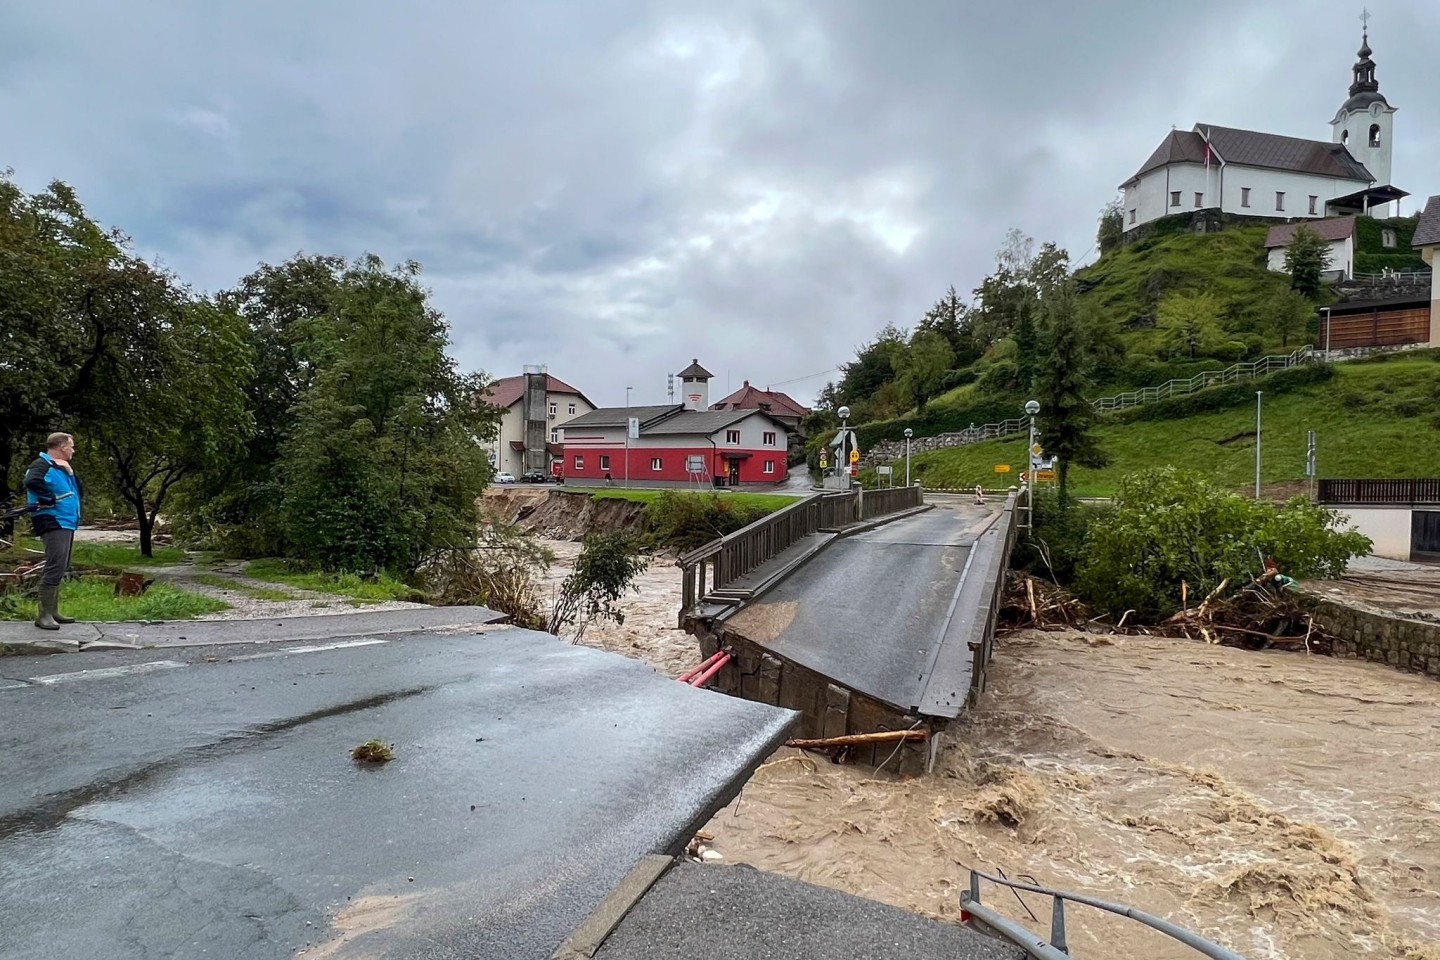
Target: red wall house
column 743, row 447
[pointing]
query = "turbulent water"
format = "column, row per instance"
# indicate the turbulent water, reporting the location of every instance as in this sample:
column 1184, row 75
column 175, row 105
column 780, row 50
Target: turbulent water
column 1283, row 805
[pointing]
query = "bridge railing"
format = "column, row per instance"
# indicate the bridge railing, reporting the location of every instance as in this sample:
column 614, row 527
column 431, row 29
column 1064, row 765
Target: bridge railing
column 1380, row 492
column 991, row 570
column 976, row 914
column 887, row 500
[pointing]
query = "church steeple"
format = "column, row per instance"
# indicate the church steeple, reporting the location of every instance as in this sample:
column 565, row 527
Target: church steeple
column 1365, row 121
column 1364, row 69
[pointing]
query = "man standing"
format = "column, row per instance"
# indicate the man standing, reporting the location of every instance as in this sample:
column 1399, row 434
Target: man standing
column 51, row 483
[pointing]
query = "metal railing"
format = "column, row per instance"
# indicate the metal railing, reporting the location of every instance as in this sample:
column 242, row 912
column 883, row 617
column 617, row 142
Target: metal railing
column 997, row 562
column 990, row 921
column 1408, row 275
column 1402, row 493
column 722, row 561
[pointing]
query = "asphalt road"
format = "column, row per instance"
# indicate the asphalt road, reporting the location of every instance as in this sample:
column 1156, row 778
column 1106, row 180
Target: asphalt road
column 871, row 610
column 183, row 804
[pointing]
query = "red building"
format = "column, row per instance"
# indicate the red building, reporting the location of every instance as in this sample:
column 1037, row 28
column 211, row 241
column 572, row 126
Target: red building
column 676, row 445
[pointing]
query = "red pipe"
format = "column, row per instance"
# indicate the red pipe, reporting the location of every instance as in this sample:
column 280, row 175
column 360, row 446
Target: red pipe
column 704, row 678
column 688, row 675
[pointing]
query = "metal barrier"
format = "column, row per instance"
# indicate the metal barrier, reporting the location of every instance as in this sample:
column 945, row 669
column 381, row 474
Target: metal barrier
column 1237, row 373
column 886, row 500
column 974, row 913
column 994, row 564
column 1400, row 493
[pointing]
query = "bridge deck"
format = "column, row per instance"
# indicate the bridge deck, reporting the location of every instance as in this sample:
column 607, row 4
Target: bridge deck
column 871, row 612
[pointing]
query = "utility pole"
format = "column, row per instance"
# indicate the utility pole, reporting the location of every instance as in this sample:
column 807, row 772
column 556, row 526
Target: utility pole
column 1258, row 395
column 627, row 437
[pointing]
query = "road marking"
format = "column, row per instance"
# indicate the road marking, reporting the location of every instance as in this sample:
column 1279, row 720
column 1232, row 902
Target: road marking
column 106, row 673
column 315, row 648
column 13, row 686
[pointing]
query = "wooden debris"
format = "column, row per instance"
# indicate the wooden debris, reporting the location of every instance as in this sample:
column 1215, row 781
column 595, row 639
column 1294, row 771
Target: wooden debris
column 858, row 739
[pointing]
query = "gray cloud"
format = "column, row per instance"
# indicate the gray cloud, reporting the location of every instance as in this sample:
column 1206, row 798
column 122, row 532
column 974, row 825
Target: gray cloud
column 613, row 188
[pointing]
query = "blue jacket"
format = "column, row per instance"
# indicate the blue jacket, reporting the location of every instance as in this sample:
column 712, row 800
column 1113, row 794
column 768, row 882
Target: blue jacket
column 46, row 483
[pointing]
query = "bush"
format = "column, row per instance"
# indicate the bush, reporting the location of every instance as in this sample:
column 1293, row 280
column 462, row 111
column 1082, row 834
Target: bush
column 604, row 572
column 1056, row 546
column 502, row 573
column 1171, row 527
column 939, row 419
column 684, row 521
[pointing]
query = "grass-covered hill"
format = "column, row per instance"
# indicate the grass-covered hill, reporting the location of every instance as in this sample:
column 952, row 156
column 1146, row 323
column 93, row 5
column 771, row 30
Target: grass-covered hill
column 1378, row 417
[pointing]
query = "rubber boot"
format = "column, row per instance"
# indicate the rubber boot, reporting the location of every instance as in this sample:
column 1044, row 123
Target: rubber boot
column 55, row 610
column 45, row 619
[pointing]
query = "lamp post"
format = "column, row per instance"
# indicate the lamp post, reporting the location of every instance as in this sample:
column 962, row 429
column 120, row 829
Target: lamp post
column 908, row 434
column 842, row 462
column 1326, row 311
column 1258, row 395
column 627, row 437
column 1032, row 407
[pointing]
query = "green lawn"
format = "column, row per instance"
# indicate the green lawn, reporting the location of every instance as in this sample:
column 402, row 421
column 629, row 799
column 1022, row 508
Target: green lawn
column 93, row 598
column 244, row 589
column 341, row 584
column 1371, row 420
column 767, row 501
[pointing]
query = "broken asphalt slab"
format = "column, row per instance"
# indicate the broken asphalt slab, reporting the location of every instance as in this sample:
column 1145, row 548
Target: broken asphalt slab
column 212, row 808
column 21, row 637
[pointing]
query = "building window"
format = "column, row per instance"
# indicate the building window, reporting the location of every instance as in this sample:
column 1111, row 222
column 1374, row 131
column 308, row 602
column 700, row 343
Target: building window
column 1132, row 214
column 656, row 464
column 1374, row 134
column 1174, row 198
column 1345, row 138
column 554, row 436
column 1244, row 196
column 1280, row 200
column 1199, row 200
column 572, row 409
column 604, row 462
column 553, row 409
column 732, row 436
column 580, row 462
column 769, row 466
column 1314, row 202
column 769, row 439
column 1387, row 237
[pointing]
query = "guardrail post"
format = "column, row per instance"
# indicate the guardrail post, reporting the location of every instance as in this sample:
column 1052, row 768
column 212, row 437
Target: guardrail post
column 974, row 887
column 1057, row 924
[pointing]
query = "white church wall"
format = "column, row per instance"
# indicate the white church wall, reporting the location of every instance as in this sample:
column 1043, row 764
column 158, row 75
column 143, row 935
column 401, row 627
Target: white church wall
column 1298, row 188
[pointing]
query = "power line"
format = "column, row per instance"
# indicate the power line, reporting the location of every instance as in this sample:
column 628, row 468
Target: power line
column 781, row 383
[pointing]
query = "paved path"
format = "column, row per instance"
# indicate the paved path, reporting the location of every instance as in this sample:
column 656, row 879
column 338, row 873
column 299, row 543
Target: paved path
column 870, row 611
column 164, row 805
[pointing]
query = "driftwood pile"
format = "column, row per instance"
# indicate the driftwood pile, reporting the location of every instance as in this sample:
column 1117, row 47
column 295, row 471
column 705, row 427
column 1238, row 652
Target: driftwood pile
column 1256, row 615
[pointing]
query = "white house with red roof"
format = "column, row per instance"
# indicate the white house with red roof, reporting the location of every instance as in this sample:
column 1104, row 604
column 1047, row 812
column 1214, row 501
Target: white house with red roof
column 1338, row 232
column 536, row 407
column 677, row 445
column 779, row 405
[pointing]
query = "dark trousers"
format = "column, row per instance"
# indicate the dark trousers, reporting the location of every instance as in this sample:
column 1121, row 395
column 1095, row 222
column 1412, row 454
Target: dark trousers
column 57, row 555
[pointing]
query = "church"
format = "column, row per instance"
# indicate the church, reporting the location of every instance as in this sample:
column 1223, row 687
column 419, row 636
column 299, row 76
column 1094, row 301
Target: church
column 1244, row 173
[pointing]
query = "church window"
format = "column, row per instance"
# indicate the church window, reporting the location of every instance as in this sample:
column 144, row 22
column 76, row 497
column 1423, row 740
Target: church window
column 1314, row 201
column 1345, row 138
column 1132, row 214
column 1280, row 200
column 1199, row 200
column 1244, row 196
column 1174, row 198
column 1387, row 237
column 1374, row 134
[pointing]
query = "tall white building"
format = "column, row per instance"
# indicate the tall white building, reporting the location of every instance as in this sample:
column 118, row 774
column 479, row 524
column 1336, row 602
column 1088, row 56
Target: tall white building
column 1265, row 175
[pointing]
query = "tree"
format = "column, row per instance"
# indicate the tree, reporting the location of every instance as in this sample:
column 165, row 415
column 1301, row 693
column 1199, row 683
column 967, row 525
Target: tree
column 604, row 572
column 949, row 318
column 1306, row 260
column 1189, row 323
column 1066, row 417
column 1112, row 227
column 924, row 365
column 1286, row 313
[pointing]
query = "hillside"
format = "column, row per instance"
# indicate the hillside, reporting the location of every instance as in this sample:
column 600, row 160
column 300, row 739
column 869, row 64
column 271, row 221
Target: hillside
column 1376, row 418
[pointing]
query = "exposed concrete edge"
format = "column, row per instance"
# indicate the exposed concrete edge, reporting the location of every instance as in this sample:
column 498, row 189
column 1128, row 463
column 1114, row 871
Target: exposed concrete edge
column 585, row 941
column 864, row 526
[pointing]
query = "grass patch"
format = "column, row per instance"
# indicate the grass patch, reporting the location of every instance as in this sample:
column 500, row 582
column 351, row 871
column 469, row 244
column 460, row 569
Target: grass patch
column 94, row 599
column 769, row 502
column 111, row 556
column 376, row 590
column 244, row 589
column 1378, row 419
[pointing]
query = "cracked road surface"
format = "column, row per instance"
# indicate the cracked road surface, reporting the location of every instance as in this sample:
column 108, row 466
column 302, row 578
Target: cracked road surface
column 176, row 803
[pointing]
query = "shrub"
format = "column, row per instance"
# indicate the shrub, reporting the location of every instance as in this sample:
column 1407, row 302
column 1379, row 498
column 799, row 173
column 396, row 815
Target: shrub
column 1171, row 527
column 684, row 521
column 604, row 572
column 1056, row 545
column 501, row 573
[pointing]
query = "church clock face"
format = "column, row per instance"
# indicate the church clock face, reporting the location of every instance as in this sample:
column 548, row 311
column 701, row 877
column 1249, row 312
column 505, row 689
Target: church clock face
column 1374, row 109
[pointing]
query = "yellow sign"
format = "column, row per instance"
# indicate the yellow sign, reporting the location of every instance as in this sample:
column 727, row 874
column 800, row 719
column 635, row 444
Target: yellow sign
column 1045, row 475
column 1036, row 449
column 1002, row 468
column 854, row 456
column 824, row 464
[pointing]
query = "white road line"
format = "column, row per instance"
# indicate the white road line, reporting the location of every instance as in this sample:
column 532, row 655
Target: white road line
column 14, row 686
column 106, row 673
column 316, row 648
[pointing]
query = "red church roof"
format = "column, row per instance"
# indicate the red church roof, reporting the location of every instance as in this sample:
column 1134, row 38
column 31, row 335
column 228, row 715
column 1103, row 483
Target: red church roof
column 771, row 401
column 507, row 391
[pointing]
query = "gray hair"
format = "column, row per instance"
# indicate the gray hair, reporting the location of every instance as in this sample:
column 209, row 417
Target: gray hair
column 57, row 440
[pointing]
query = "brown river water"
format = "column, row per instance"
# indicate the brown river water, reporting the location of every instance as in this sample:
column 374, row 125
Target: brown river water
column 1284, row 805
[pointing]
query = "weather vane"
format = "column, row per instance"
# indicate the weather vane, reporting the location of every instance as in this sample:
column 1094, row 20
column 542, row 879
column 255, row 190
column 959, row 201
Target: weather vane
column 1365, row 18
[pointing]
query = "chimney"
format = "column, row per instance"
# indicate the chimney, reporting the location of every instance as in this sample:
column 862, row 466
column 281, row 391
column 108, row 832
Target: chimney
column 695, row 382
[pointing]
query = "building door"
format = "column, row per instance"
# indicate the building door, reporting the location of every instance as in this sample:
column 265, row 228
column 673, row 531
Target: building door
column 734, row 473
column 1425, row 535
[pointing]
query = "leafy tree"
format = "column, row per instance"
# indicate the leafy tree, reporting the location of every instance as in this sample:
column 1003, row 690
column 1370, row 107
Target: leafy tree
column 604, row 572
column 1171, row 527
column 874, row 365
column 1112, row 227
column 949, row 318
column 1306, row 260
column 1066, row 417
column 1021, row 278
column 1287, row 313
column 924, row 365
column 1027, row 350
column 1189, row 323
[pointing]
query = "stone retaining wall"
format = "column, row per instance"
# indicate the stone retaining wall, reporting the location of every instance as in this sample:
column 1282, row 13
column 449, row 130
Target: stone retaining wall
column 1367, row 635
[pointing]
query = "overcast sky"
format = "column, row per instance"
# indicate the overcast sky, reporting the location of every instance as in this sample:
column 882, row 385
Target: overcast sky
column 612, row 188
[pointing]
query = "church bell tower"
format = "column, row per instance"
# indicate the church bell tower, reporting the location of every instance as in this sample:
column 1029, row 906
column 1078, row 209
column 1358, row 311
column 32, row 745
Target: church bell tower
column 1365, row 122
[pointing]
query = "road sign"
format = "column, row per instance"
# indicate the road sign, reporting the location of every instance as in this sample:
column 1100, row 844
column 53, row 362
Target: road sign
column 1002, row 468
column 882, row 471
column 1036, row 449
column 854, row 470
column 824, row 464
column 854, row 456
column 1045, row 475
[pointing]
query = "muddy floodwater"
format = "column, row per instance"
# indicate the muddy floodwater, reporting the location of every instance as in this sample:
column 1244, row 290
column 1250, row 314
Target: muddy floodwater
column 1287, row 806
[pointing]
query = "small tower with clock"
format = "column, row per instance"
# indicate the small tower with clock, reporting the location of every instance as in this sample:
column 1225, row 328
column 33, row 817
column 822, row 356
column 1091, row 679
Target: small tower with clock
column 1365, row 122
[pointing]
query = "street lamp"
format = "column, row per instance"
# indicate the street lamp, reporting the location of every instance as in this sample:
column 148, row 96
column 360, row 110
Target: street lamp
column 841, row 464
column 908, row 434
column 1032, row 407
column 1326, row 311
column 627, row 437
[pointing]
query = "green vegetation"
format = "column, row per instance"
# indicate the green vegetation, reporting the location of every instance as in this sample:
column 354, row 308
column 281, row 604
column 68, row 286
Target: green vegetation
column 676, row 520
column 1374, row 418
column 374, row 751
column 768, row 502
column 111, row 556
column 1371, row 254
column 604, row 572
column 377, row 588
column 244, row 589
column 94, row 598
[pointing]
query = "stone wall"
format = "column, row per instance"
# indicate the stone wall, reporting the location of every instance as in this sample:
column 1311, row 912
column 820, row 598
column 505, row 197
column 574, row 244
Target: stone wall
column 1367, row 635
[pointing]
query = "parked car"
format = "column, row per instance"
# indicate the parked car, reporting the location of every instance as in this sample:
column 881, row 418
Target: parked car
column 504, row 478
column 536, row 476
